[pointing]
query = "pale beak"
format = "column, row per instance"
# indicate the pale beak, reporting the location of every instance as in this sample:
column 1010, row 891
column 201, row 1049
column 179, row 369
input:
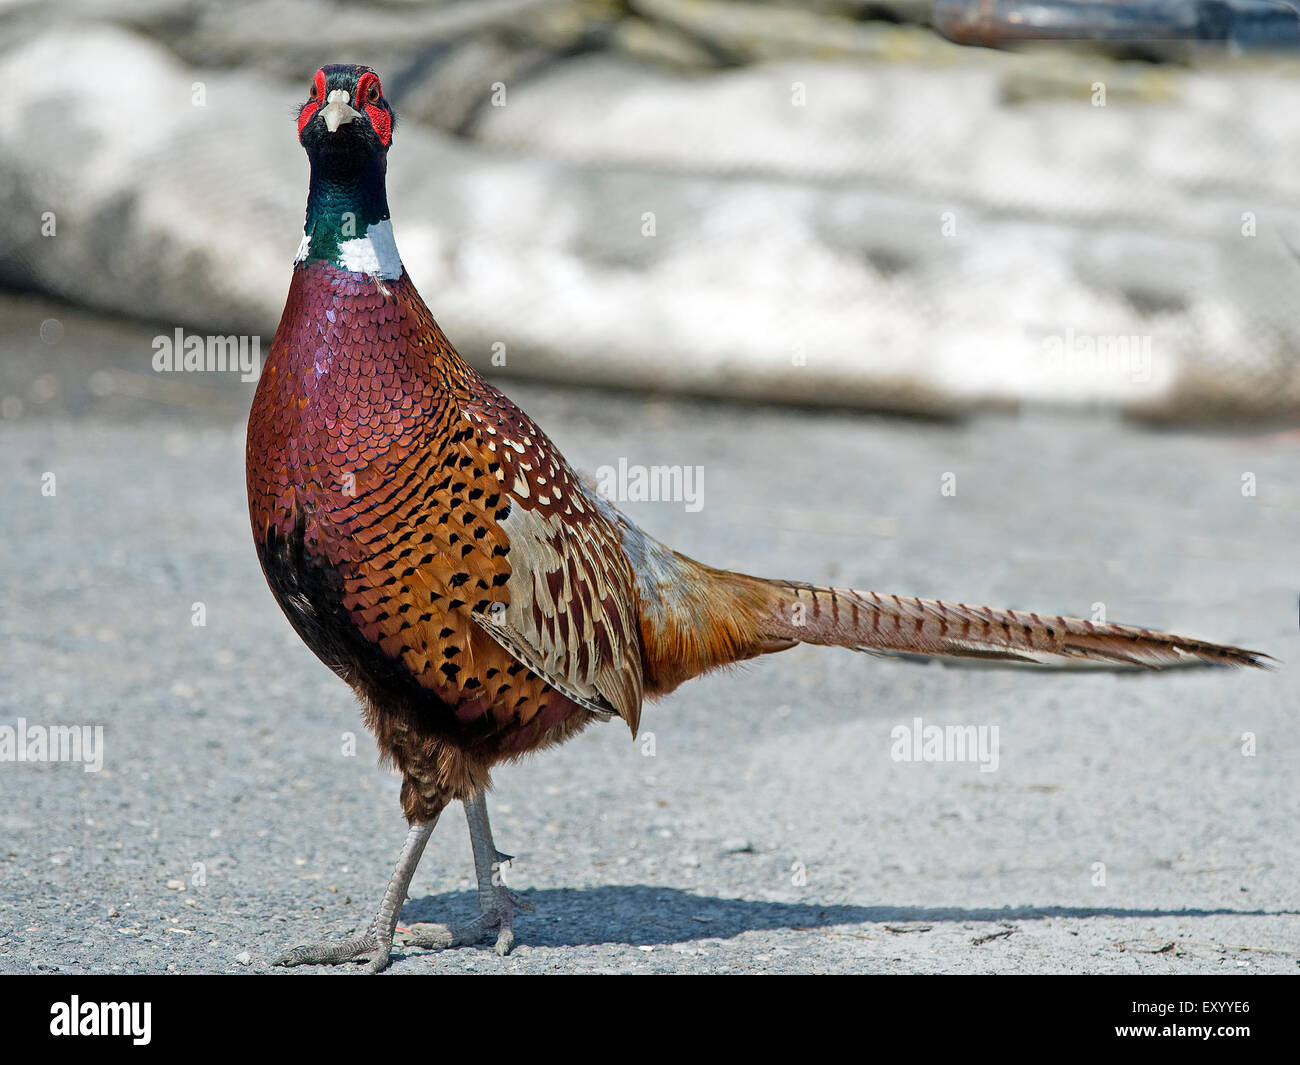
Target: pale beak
column 337, row 110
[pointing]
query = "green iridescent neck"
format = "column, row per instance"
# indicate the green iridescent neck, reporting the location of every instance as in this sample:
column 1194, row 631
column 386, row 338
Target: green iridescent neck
column 347, row 220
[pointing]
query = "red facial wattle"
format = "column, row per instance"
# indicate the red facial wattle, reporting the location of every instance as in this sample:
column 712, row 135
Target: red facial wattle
column 368, row 86
column 312, row 105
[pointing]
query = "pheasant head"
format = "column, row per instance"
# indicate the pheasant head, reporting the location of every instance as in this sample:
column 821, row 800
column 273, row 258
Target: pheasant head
column 345, row 125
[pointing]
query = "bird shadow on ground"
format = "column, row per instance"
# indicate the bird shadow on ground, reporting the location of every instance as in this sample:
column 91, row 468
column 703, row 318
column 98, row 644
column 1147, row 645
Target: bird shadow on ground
column 642, row 915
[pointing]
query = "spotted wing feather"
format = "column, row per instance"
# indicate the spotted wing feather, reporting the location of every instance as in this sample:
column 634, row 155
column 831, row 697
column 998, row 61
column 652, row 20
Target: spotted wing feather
column 571, row 610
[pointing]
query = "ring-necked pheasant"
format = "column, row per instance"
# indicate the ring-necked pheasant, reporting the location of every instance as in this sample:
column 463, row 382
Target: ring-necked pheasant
column 434, row 549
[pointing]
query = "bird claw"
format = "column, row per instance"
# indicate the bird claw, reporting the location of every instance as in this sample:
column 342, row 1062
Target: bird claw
column 498, row 918
column 368, row 948
column 520, row 903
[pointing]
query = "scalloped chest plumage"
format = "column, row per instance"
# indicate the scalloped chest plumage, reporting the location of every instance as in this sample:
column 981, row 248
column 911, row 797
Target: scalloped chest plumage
column 378, row 498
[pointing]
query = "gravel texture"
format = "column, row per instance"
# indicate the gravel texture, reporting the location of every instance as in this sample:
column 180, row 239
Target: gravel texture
column 769, row 830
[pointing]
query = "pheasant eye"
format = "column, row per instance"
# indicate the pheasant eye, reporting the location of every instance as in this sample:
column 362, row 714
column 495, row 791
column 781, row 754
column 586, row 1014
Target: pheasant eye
column 373, row 95
column 312, row 95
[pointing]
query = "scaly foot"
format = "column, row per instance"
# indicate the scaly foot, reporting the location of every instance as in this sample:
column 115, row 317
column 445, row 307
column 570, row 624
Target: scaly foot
column 369, row 948
column 376, row 944
column 498, row 916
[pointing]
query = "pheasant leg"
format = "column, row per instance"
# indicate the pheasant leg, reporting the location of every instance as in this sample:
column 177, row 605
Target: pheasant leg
column 376, row 943
column 497, row 902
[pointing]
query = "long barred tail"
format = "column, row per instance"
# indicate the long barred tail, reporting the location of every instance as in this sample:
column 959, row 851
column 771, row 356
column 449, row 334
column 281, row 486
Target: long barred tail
column 695, row 618
column 868, row 621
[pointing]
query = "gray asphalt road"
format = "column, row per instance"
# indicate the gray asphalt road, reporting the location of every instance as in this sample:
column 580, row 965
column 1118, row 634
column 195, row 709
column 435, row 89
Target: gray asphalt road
column 769, row 830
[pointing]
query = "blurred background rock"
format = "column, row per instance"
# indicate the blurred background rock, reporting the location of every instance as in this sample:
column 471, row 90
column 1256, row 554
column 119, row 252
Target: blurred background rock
column 824, row 202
